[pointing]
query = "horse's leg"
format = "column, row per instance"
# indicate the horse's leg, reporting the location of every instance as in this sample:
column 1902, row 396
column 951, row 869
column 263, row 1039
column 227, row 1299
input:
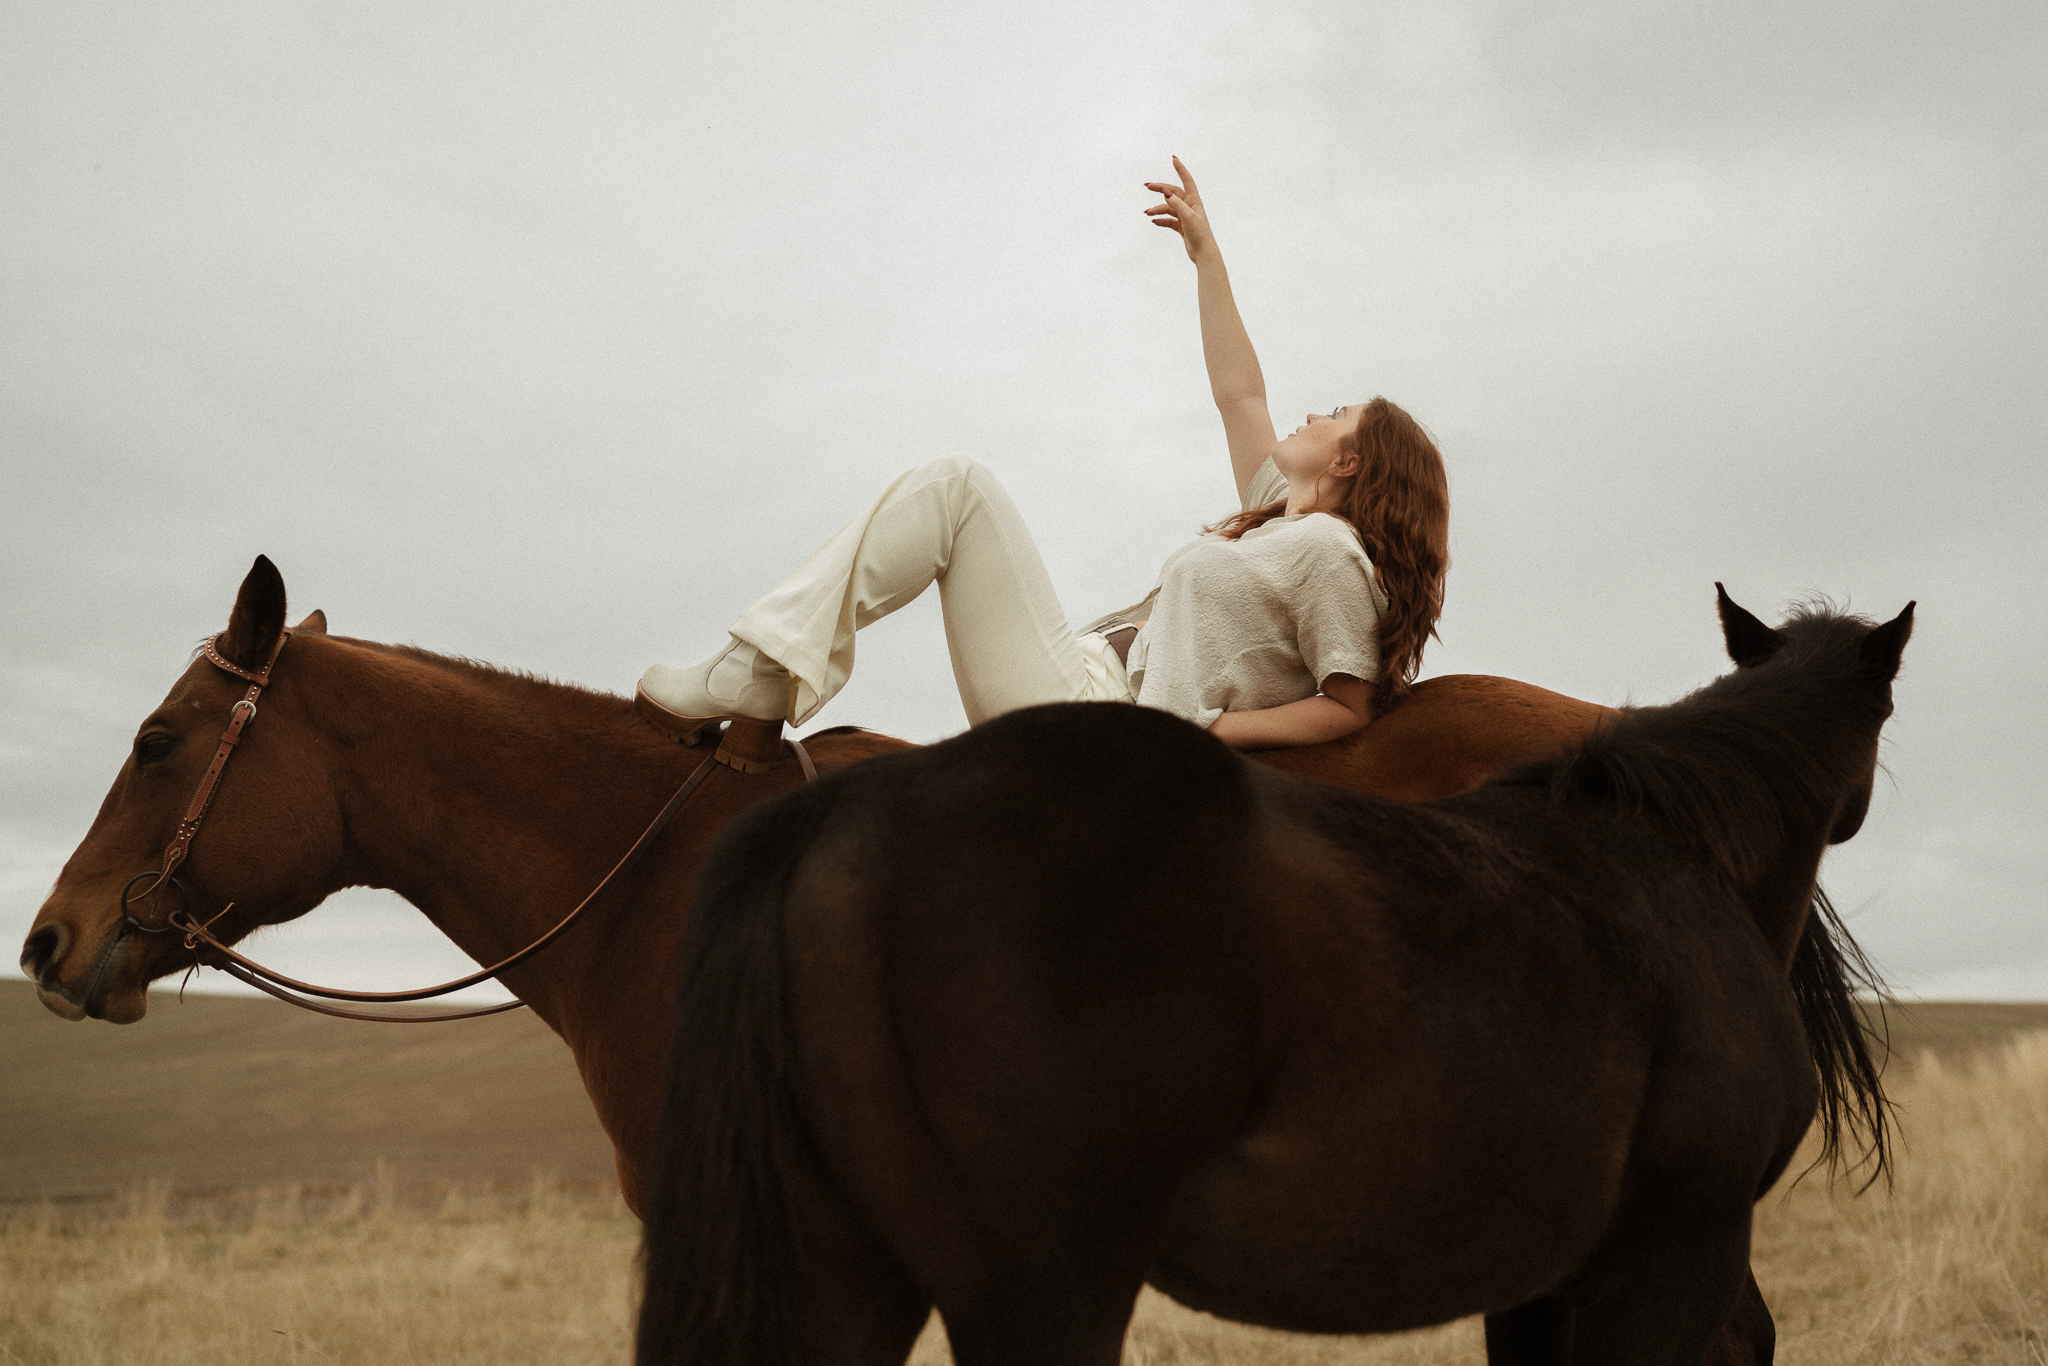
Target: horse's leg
column 1062, row 1237
column 1674, row 1297
column 1059, row 1315
column 1748, row 1337
column 1538, row 1333
column 854, row 1304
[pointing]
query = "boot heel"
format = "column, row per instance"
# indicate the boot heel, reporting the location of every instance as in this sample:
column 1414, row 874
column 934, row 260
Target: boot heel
column 684, row 730
column 751, row 746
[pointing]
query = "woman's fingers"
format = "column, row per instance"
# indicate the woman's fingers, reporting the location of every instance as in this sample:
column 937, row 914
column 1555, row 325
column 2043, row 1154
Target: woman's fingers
column 1180, row 210
column 1187, row 179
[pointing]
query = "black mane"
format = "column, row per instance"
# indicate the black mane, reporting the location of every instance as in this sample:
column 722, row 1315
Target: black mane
column 1731, row 764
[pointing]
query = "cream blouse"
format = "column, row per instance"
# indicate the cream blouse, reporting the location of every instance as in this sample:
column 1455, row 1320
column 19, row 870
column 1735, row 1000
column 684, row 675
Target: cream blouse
column 1259, row 621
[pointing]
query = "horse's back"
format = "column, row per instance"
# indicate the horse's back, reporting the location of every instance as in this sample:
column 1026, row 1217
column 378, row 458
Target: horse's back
column 1447, row 736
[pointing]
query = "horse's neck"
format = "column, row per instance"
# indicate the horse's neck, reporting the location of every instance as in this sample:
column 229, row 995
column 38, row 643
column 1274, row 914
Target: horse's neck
column 492, row 804
column 1781, row 897
column 1811, row 775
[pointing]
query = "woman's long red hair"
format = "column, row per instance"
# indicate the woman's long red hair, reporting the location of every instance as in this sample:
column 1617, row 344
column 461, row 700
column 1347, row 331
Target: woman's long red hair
column 1400, row 501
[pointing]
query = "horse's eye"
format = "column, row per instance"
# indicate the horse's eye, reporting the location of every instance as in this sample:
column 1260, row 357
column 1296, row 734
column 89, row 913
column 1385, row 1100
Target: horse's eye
column 152, row 749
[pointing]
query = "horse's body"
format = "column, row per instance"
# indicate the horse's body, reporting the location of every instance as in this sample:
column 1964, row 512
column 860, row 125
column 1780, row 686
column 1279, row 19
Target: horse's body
column 1015, row 1023
column 494, row 801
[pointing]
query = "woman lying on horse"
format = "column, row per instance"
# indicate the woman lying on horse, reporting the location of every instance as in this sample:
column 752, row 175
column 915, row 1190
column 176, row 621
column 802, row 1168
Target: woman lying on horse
column 1293, row 622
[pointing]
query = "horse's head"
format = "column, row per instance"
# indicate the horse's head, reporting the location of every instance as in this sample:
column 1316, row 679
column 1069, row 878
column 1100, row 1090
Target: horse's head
column 1875, row 665
column 271, row 842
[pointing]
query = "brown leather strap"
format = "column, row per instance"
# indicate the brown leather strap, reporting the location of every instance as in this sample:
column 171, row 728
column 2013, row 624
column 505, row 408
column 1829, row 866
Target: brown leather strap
column 803, row 757
column 339, row 1014
column 239, row 716
column 261, row 678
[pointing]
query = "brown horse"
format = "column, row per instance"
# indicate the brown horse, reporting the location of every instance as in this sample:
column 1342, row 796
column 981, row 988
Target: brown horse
column 1013, row 1024
column 494, row 801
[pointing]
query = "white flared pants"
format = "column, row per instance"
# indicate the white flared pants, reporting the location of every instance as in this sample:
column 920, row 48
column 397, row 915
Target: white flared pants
column 948, row 522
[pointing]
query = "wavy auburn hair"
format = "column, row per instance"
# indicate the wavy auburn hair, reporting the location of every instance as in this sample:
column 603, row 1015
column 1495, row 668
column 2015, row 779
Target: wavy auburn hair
column 1400, row 501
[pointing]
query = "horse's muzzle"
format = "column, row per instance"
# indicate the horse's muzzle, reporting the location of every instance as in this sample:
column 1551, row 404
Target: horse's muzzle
column 42, row 950
column 42, row 959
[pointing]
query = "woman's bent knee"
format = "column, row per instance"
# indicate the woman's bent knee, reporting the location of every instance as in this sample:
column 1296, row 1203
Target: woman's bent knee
column 949, row 467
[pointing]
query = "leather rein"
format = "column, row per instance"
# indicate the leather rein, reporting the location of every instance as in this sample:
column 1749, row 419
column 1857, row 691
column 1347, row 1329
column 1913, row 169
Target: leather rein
column 199, row 933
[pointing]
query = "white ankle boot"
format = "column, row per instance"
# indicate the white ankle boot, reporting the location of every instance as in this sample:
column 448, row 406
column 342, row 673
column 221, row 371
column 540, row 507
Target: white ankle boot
column 737, row 681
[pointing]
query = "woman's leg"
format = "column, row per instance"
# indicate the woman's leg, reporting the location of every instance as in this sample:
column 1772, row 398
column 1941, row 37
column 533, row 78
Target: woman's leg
column 948, row 522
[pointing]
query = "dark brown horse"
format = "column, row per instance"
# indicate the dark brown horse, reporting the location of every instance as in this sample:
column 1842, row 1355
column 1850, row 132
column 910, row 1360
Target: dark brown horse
column 1016, row 1023
column 494, row 801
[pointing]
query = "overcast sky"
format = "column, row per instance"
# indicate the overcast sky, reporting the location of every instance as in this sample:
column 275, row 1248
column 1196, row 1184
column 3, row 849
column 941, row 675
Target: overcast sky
column 552, row 334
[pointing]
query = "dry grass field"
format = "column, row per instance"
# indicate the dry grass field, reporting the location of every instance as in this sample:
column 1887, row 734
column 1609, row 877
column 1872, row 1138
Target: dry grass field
column 232, row 1182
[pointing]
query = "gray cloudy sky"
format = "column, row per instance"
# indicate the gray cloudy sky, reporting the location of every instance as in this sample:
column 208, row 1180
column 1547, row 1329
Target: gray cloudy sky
column 552, row 334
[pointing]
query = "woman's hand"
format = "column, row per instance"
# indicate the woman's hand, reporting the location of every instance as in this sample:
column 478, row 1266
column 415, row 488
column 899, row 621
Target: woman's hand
column 1183, row 212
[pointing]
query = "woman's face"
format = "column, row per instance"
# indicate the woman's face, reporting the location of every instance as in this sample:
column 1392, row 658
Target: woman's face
column 1316, row 446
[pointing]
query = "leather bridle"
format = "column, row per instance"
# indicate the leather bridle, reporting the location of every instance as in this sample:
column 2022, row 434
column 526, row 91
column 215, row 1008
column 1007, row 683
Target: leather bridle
column 198, row 932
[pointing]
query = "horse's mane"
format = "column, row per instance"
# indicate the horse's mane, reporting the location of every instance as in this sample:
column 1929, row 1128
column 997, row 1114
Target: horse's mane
column 1729, row 765
column 525, row 691
column 523, row 684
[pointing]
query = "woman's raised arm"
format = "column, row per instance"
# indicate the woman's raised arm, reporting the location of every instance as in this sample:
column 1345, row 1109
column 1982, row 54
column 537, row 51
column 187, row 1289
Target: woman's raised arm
column 1235, row 380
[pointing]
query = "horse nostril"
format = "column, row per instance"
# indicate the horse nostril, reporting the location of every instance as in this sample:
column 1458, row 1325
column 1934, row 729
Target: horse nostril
column 41, row 950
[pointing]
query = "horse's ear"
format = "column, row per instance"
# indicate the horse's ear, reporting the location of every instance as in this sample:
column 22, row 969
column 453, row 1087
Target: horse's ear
column 258, row 617
column 1749, row 640
column 315, row 624
column 1879, row 653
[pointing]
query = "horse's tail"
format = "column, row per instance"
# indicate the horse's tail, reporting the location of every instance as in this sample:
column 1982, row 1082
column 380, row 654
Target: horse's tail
column 1829, row 971
column 716, row 1248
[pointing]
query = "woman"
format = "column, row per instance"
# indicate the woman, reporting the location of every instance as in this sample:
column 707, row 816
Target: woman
column 1292, row 623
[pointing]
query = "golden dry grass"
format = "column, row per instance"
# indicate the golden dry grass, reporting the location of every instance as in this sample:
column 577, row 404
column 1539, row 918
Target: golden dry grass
column 1950, row 1267
column 358, row 1276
